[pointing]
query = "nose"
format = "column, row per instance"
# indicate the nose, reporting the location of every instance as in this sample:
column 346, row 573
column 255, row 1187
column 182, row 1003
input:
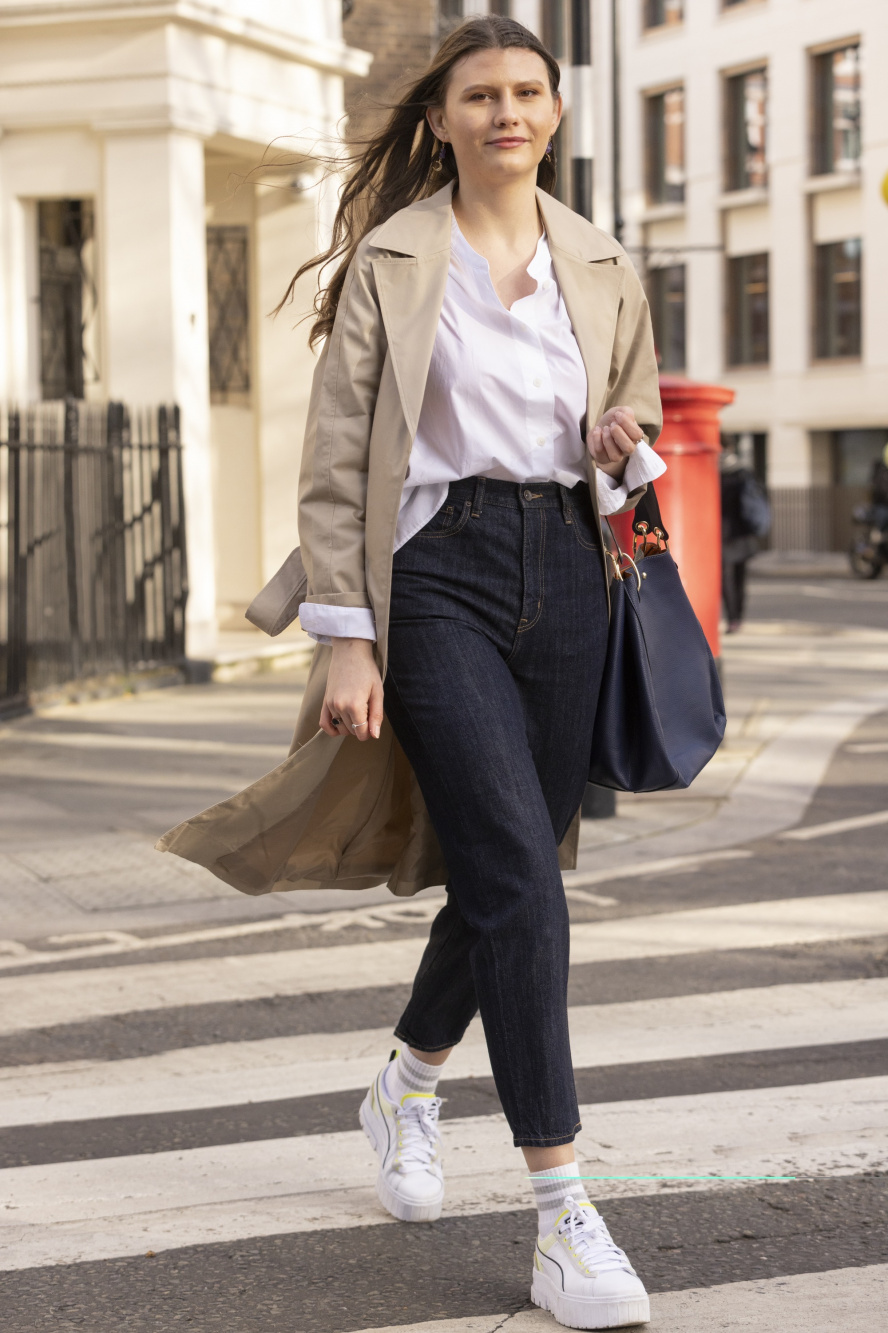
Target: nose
column 507, row 113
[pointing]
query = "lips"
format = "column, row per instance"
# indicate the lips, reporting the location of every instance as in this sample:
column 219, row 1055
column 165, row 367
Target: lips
column 508, row 143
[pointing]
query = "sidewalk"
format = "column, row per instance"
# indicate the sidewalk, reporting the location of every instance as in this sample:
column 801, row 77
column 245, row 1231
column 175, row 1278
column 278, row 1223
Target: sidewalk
column 87, row 788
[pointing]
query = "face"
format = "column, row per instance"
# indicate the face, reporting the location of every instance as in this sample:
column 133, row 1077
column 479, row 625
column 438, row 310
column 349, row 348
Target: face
column 498, row 115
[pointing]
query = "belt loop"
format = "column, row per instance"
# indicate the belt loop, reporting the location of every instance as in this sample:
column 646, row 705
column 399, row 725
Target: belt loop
column 565, row 504
column 478, row 497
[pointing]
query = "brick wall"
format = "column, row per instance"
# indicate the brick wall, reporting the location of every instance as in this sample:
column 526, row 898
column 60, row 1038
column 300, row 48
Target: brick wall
column 401, row 35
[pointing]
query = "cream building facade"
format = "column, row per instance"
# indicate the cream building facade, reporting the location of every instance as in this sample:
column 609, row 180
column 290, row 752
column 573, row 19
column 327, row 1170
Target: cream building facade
column 754, row 151
column 128, row 132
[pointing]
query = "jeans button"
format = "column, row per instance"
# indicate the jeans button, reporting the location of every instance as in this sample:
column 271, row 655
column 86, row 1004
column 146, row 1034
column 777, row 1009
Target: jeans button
column 527, row 494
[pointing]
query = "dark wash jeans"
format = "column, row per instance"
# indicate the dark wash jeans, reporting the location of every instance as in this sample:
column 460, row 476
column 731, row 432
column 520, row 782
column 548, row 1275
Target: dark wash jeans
column 496, row 648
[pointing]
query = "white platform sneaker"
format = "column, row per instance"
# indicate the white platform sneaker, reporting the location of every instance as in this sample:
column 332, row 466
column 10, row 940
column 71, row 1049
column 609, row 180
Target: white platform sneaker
column 410, row 1183
column 583, row 1278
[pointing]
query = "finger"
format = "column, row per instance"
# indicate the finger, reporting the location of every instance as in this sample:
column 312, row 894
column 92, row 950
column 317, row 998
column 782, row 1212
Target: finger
column 622, row 440
column 612, row 449
column 358, row 726
column 374, row 715
column 325, row 721
column 626, row 418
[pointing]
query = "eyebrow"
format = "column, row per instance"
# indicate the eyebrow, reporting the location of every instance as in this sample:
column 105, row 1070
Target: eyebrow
column 525, row 83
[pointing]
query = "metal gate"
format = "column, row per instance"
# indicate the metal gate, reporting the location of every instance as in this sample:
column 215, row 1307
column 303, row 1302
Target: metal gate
column 92, row 543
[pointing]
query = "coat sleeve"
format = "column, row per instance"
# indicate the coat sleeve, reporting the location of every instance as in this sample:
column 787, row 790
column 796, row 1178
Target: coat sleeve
column 634, row 378
column 333, row 473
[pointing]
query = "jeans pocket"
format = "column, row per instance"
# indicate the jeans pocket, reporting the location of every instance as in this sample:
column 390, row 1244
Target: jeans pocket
column 584, row 527
column 447, row 521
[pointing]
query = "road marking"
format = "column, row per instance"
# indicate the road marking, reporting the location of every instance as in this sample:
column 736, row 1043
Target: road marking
column 107, row 943
column 107, row 740
column 28, row 1002
column 771, row 795
column 852, row 1299
column 278, row 1068
column 87, row 1210
column 666, row 865
column 837, row 826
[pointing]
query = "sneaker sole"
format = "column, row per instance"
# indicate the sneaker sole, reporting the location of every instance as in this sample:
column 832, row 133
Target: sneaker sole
column 391, row 1202
column 591, row 1312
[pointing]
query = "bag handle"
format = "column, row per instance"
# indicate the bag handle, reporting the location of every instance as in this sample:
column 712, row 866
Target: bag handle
column 647, row 516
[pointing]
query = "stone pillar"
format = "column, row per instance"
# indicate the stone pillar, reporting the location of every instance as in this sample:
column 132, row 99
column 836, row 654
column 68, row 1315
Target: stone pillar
column 154, row 287
column 285, row 234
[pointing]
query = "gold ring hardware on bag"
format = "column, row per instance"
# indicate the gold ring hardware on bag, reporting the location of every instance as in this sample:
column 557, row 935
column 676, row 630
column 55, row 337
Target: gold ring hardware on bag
column 619, row 571
column 640, row 539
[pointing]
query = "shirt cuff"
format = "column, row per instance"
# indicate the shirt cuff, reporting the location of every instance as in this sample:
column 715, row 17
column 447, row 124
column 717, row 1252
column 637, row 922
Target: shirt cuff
column 643, row 465
column 324, row 623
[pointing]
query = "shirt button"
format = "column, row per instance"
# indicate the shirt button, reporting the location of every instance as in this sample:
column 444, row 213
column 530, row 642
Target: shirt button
column 537, row 382
column 541, row 439
column 547, row 286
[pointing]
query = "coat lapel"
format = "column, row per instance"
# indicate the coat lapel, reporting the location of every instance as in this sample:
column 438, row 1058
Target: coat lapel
column 411, row 277
column 592, row 295
column 411, row 293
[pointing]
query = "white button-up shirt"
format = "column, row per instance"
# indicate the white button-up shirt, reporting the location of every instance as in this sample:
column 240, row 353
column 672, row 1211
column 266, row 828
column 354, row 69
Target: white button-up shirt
column 504, row 398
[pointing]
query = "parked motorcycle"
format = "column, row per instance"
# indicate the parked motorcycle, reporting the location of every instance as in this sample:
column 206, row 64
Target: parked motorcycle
column 869, row 548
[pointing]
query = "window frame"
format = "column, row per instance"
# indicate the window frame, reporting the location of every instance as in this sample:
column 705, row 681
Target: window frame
column 730, row 80
column 819, row 357
column 650, row 97
column 664, row 24
column 238, row 394
column 658, row 302
column 817, row 55
column 733, row 311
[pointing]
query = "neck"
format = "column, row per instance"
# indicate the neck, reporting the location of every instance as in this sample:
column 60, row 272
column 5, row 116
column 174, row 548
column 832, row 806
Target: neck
column 507, row 212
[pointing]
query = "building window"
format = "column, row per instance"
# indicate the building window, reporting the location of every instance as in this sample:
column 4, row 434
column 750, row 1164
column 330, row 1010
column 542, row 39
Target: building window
column 66, row 241
column 666, row 287
column 747, row 107
column 665, row 147
column 748, row 302
column 837, row 111
column 229, row 318
column 663, row 13
column 837, row 299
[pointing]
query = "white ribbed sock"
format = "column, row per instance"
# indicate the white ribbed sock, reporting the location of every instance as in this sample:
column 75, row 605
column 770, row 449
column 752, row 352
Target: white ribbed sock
column 408, row 1074
column 550, row 1189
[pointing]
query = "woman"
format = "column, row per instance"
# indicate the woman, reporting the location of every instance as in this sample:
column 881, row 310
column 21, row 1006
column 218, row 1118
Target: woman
column 467, row 425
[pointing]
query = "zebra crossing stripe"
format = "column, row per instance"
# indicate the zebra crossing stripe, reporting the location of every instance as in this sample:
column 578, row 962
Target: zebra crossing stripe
column 28, row 1002
column 681, row 1027
column 853, row 1299
column 121, row 1206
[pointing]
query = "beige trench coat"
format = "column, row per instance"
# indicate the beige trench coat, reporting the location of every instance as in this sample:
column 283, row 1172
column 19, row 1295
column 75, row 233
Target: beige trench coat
column 338, row 811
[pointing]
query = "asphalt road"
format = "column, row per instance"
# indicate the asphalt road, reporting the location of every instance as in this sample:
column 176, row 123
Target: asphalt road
column 181, row 1066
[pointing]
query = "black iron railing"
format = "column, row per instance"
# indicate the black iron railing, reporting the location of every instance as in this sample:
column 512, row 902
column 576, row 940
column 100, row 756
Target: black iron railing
column 92, row 543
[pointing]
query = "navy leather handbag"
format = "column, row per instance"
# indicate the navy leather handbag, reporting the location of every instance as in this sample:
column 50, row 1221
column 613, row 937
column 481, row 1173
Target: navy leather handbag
column 661, row 713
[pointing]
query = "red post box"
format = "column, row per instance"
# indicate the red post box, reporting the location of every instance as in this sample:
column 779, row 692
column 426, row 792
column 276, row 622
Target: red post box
column 690, row 493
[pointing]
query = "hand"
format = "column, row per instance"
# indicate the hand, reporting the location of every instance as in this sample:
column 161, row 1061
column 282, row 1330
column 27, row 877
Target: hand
column 354, row 691
column 614, row 439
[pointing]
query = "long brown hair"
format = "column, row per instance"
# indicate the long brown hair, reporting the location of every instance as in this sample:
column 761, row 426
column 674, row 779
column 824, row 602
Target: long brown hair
column 399, row 164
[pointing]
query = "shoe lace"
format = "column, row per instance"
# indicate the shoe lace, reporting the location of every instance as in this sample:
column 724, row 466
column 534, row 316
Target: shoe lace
column 418, row 1137
column 590, row 1241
